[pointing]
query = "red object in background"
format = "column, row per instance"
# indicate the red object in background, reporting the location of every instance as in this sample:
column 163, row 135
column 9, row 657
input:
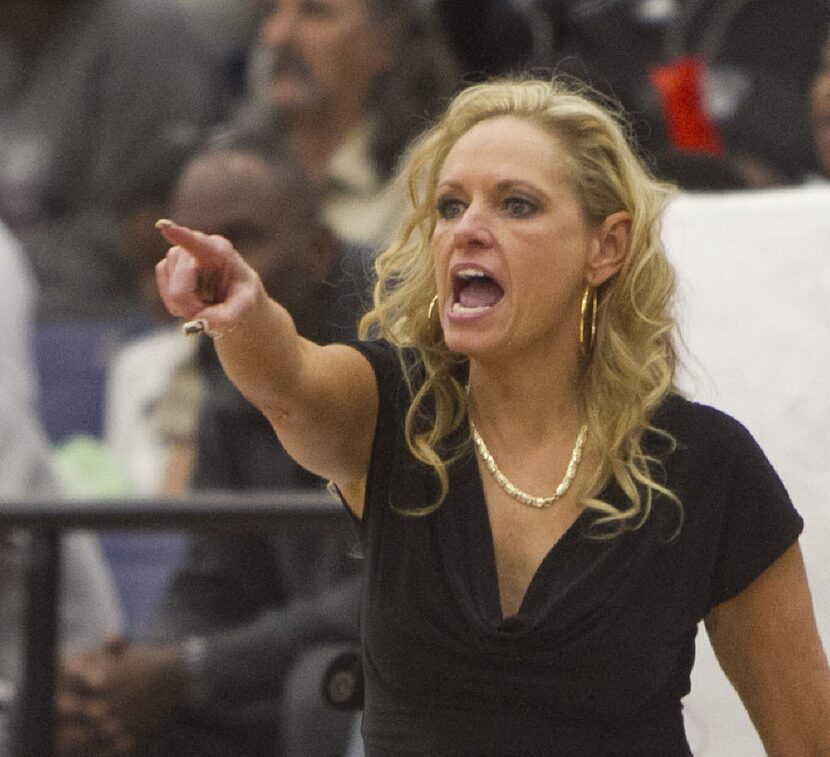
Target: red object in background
column 680, row 85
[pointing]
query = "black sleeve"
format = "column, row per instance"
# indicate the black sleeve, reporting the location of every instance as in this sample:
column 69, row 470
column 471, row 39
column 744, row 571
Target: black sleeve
column 383, row 357
column 760, row 521
column 392, row 403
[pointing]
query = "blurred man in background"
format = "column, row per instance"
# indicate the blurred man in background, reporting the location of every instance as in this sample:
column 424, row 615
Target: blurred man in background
column 249, row 623
column 344, row 85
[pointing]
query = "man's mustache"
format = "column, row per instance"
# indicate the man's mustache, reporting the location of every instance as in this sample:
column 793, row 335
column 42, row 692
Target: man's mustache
column 286, row 60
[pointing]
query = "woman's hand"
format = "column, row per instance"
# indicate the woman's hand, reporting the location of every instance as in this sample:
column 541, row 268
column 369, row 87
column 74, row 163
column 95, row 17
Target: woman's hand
column 204, row 280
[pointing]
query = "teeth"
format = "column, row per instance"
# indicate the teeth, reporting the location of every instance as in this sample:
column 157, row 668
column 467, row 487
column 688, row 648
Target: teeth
column 471, row 273
column 459, row 309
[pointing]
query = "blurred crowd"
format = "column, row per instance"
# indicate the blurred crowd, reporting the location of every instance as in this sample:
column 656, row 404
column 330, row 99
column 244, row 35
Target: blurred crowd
column 278, row 124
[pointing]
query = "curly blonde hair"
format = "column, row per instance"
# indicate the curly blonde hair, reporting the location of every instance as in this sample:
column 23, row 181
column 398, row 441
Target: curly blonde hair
column 631, row 367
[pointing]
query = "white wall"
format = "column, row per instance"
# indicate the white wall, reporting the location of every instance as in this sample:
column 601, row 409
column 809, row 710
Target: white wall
column 754, row 309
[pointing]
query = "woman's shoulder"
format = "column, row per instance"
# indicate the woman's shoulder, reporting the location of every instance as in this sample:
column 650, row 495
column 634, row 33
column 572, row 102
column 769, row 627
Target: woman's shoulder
column 396, row 370
column 684, row 415
column 705, row 429
column 375, row 350
column 382, row 355
column 388, row 360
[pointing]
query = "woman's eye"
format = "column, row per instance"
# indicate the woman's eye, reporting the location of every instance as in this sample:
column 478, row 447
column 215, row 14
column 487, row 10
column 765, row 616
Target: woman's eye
column 450, row 207
column 519, row 206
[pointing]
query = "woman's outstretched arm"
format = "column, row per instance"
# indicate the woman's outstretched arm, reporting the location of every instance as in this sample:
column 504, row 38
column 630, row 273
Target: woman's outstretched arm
column 321, row 400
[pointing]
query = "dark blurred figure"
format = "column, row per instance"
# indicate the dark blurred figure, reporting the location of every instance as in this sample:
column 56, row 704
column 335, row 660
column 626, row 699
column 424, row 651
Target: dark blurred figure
column 723, row 77
column 95, row 95
column 492, row 37
column 694, row 171
column 344, row 85
column 820, row 111
column 237, row 650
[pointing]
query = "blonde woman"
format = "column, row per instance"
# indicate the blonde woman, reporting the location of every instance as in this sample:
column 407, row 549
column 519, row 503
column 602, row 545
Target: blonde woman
column 544, row 520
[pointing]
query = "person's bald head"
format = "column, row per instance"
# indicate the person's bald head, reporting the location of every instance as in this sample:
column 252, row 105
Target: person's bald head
column 267, row 208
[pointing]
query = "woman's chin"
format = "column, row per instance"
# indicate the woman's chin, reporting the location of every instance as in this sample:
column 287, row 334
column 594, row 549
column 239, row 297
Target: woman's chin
column 468, row 343
column 474, row 332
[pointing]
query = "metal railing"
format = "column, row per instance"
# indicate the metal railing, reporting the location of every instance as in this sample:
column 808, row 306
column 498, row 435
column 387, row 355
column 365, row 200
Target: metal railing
column 46, row 520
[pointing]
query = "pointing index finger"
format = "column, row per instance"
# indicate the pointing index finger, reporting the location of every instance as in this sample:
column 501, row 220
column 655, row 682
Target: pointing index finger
column 208, row 251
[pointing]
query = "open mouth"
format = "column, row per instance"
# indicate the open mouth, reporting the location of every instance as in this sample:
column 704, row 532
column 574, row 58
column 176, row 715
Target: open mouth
column 473, row 291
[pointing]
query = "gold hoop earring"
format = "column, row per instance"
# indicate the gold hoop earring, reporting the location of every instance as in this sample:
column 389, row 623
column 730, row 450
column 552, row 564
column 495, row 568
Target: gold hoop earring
column 588, row 321
column 431, row 310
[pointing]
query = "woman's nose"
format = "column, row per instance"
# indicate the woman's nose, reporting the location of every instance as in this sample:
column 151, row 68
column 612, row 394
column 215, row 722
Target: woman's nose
column 473, row 228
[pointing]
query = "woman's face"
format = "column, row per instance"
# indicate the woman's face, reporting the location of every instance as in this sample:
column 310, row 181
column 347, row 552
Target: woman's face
column 820, row 102
column 511, row 244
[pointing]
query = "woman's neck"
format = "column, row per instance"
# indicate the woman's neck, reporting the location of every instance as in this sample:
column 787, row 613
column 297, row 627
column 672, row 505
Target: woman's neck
column 525, row 399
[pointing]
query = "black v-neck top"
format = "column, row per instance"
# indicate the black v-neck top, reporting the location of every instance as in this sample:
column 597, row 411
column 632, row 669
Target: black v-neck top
column 598, row 657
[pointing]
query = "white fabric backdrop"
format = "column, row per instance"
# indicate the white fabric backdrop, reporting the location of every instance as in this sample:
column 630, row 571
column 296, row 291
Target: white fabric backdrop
column 754, row 310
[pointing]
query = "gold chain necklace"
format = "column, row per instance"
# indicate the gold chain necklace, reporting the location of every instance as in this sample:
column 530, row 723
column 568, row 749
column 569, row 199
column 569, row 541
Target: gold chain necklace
column 514, row 491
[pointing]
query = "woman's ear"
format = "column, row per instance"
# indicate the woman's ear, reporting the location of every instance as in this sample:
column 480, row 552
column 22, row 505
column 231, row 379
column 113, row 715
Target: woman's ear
column 609, row 248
